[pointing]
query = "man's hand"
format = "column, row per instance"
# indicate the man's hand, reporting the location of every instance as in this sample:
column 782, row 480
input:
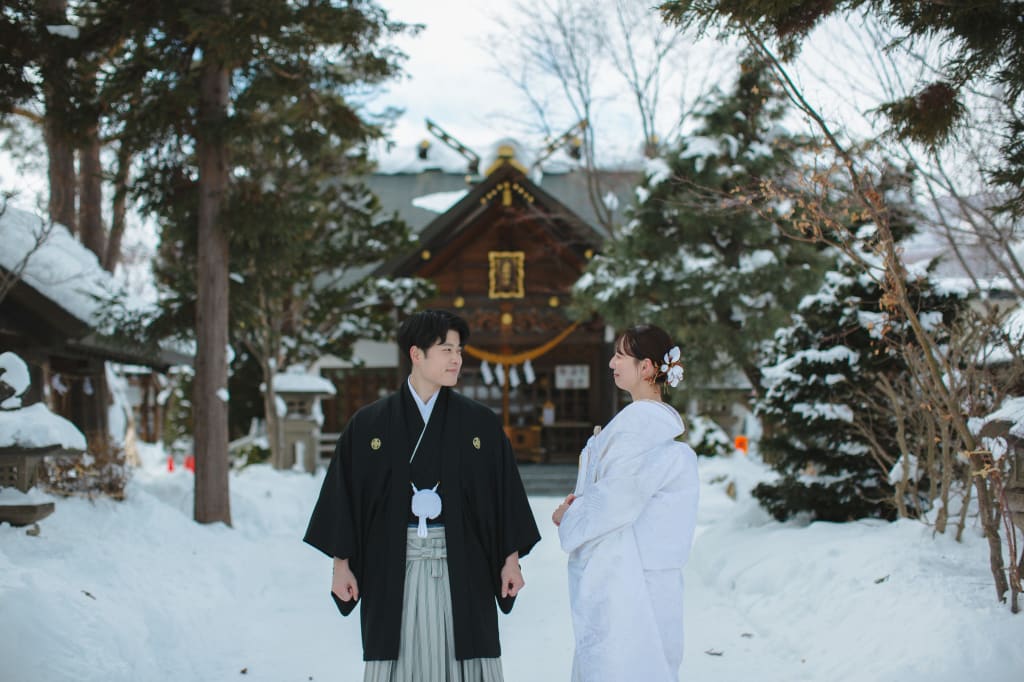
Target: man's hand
column 511, row 576
column 343, row 583
column 560, row 510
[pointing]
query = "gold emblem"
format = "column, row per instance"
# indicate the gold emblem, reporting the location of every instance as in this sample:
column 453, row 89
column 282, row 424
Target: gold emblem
column 476, row 442
column 375, row 443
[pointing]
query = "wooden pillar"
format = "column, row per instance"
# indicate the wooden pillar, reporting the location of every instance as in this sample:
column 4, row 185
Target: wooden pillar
column 505, row 401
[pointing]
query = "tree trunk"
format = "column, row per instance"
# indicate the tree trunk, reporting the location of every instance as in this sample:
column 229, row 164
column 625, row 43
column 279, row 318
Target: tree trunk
column 60, row 174
column 278, row 458
column 212, row 502
column 988, row 510
column 112, row 258
column 60, row 148
column 90, row 213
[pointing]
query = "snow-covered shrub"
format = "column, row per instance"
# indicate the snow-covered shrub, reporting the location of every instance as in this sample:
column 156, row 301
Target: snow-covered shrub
column 706, row 437
column 102, row 470
column 839, row 407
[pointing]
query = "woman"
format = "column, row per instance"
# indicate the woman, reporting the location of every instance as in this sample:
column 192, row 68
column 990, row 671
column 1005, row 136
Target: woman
column 629, row 524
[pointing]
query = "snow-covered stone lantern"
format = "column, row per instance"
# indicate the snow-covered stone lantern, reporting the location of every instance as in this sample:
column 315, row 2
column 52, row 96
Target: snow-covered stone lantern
column 300, row 425
column 27, row 435
column 1003, row 435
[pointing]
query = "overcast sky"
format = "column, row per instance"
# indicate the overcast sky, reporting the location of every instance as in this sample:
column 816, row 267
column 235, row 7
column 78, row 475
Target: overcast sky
column 451, row 75
column 452, row 78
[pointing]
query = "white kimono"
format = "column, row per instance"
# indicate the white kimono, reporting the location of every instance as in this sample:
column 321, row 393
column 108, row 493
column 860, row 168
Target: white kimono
column 629, row 535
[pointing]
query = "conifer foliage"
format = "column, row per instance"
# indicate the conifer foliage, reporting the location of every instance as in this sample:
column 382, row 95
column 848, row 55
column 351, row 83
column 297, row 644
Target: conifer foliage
column 248, row 122
column 984, row 47
column 831, row 429
column 702, row 254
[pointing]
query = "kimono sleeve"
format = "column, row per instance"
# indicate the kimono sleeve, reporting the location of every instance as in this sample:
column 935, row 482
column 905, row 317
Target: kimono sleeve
column 616, row 499
column 331, row 528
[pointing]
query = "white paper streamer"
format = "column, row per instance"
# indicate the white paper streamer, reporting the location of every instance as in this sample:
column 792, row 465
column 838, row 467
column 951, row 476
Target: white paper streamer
column 513, row 377
column 528, row 372
column 499, row 374
column 485, row 372
column 58, row 384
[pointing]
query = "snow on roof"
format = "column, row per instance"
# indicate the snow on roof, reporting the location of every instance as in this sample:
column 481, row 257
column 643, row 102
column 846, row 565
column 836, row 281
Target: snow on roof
column 997, row 351
column 405, row 157
column 1012, row 410
column 60, row 268
column 36, row 427
column 948, row 220
column 439, row 202
column 302, row 383
column 366, row 354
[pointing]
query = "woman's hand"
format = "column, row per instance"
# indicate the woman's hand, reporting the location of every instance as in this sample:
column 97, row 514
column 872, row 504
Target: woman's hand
column 560, row 510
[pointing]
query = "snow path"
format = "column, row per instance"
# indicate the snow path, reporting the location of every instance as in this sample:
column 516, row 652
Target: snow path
column 136, row 592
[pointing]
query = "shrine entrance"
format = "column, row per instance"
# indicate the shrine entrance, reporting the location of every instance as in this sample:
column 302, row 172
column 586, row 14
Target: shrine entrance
column 505, row 257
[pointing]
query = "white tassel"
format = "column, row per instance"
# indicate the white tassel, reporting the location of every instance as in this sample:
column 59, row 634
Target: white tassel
column 499, row 374
column 513, row 377
column 485, row 372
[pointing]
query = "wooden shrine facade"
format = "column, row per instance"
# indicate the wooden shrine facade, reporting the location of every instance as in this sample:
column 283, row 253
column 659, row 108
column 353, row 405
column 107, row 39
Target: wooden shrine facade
column 505, row 258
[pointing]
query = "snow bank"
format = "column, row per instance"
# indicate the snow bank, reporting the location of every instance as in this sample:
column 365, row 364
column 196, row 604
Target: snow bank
column 135, row 591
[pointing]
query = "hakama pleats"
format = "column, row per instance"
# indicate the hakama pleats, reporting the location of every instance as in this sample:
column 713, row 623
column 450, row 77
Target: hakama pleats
column 427, row 649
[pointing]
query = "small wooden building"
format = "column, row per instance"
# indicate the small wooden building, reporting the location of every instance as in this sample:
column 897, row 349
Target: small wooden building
column 46, row 318
column 504, row 256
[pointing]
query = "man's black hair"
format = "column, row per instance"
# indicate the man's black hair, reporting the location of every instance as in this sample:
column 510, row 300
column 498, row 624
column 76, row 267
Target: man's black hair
column 429, row 327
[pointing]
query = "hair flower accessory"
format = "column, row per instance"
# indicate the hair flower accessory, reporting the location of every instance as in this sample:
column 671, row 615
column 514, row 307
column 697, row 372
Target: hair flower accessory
column 672, row 368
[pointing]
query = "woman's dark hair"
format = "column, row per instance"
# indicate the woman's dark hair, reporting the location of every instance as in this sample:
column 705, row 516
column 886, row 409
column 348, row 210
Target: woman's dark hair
column 428, row 327
column 646, row 341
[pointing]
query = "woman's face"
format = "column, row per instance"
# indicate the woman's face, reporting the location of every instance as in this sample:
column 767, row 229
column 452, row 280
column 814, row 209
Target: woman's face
column 629, row 373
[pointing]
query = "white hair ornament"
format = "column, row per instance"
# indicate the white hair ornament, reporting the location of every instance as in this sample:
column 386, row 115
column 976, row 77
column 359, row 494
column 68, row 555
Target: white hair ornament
column 672, row 367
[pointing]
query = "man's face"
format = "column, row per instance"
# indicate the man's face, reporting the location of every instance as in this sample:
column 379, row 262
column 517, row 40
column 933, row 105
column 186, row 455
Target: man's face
column 440, row 364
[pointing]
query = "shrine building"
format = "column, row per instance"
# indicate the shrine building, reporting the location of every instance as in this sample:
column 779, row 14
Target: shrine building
column 503, row 249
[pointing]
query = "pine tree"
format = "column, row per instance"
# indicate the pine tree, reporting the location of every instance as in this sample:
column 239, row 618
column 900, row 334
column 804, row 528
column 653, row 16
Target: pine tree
column 982, row 40
column 296, row 302
column 702, row 254
column 197, row 87
column 830, row 427
column 54, row 54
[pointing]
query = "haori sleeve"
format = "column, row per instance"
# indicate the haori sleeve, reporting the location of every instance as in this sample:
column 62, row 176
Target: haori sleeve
column 331, row 528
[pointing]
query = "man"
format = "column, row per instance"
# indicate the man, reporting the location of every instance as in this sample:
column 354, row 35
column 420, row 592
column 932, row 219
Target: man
column 428, row 570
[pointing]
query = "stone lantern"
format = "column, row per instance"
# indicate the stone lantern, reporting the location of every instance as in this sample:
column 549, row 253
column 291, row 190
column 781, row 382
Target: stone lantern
column 300, row 427
column 1012, row 433
column 27, row 435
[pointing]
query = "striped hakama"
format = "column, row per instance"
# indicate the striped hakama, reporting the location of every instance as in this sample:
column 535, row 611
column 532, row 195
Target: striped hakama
column 427, row 649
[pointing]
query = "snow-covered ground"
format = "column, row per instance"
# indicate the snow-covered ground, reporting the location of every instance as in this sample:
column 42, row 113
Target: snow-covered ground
column 136, row 591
